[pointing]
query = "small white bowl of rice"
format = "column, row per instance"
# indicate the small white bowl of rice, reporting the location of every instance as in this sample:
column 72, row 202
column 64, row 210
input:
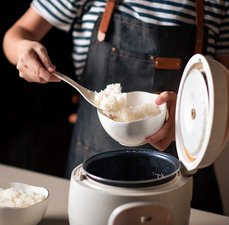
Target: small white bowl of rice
column 22, row 204
column 129, row 117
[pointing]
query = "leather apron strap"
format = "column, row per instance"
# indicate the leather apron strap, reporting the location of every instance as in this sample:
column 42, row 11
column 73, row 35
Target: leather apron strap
column 104, row 24
column 160, row 62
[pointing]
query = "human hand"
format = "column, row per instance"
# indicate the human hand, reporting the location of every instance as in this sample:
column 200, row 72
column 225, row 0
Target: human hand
column 163, row 138
column 34, row 64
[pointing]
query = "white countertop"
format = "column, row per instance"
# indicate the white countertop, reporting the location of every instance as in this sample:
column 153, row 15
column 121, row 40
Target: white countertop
column 56, row 213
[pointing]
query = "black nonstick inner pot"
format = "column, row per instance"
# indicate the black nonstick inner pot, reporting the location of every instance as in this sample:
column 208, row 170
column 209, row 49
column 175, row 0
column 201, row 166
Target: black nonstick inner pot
column 131, row 168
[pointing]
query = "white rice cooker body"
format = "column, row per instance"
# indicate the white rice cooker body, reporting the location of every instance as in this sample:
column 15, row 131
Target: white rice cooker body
column 93, row 203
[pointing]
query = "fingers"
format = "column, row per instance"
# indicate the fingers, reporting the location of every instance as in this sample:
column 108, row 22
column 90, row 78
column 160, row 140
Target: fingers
column 31, row 78
column 163, row 138
column 165, row 96
column 161, row 145
column 34, row 65
column 45, row 60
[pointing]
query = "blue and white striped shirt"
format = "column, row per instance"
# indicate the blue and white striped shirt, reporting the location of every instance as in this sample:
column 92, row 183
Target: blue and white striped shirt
column 82, row 14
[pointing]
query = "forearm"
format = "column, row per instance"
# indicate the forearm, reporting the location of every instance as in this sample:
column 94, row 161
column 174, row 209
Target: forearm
column 11, row 42
column 31, row 26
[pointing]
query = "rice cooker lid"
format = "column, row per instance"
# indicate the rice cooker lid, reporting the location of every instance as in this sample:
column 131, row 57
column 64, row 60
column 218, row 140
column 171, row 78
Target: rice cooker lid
column 201, row 112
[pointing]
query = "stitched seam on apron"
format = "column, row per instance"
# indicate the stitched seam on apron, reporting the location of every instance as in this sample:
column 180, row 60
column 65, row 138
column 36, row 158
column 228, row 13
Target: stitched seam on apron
column 132, row 57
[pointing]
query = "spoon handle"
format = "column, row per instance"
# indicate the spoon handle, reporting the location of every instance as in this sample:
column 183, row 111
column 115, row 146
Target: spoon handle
column 86, row 93
column 69, row 81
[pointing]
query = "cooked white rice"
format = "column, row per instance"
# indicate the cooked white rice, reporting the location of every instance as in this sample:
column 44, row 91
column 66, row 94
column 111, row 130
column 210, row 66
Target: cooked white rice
column 114, row 104
column 19, row 198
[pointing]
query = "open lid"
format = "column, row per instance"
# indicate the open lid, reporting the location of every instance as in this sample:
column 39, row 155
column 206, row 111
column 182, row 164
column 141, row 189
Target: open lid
column 202, row 112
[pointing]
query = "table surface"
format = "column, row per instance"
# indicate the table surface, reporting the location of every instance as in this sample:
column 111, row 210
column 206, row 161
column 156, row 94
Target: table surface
column 56, row 213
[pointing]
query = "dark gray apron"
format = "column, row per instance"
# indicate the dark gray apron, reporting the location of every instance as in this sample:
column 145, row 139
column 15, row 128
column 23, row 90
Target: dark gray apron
column 127, row 56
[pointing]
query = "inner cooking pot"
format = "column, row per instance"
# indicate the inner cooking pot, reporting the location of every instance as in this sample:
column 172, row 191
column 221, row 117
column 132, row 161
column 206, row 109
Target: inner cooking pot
column 131, row 168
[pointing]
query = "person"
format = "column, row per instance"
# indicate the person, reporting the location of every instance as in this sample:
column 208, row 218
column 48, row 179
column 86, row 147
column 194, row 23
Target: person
column 143, row 45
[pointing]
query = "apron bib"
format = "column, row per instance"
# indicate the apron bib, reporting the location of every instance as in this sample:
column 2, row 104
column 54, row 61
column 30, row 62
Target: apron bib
column 127, row 56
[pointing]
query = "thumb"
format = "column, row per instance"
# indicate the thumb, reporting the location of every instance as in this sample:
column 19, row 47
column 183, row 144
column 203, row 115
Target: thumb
column 45, row 60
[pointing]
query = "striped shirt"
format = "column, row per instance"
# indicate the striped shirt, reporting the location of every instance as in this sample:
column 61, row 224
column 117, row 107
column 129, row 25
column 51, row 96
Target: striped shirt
column 80, row 15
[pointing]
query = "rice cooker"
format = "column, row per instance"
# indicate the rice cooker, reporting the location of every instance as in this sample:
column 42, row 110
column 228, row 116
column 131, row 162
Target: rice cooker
column 140, row 186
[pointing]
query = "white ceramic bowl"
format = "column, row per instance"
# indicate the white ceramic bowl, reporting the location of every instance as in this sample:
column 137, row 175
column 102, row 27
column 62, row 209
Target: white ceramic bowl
column 31, row 215
column 133, row 133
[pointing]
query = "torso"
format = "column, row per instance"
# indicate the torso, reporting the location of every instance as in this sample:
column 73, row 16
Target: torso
column 84, row 14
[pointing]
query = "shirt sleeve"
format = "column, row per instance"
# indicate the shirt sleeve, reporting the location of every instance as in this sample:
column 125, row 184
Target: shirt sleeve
column 60, row 13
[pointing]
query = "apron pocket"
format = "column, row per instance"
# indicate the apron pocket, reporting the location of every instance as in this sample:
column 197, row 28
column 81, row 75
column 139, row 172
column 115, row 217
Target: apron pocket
column 125, row 66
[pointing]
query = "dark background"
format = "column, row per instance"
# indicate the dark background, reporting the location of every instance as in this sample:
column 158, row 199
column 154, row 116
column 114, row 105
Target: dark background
column 34, row 127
